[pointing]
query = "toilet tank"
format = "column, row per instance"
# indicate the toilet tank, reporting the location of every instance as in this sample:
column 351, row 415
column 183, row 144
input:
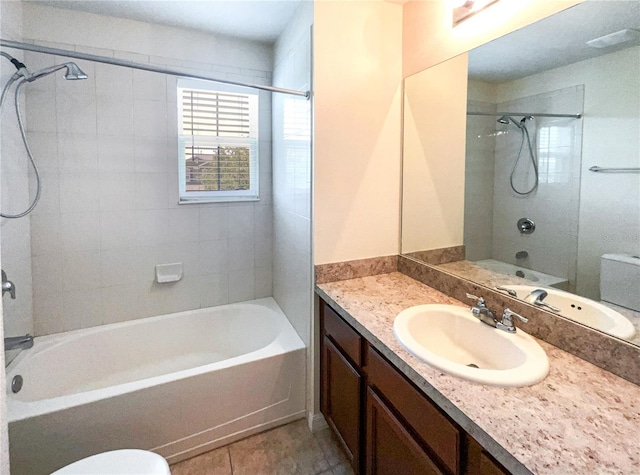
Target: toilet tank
column 620, row 280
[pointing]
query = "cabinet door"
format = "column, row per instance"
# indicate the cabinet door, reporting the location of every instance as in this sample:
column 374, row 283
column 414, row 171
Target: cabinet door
column 390, row 447
column 340, row 403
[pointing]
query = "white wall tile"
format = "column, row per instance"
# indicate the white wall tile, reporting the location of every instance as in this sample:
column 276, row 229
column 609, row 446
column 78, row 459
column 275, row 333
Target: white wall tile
column 47, row 275
column 184, row 225
column 120, row 303
column 214, row 222
column 114, row 81
column 79, row 192
column 149, row 118
column 215, row 256
column 117, row 229
column 81, row 270
column 115, row 153
column 241, row 253
column 80, row 231
column 241, row 224
column 241, row 285
column 45, row 234
column 77, row 153
column 214, row 289
column 151, row 191
column 82, row 309
column 151, row 155
column 117, row 192
column 114, row 116
column 149, row 85
column 76, row 113
column 119, row 266
column 41, row 112
column 152, row 226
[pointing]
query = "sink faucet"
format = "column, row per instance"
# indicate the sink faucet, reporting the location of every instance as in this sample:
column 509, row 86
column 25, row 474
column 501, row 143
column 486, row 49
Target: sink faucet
column 485, row 315
column 482, row 312
column 537, row 296
column 18, row 342
column 8, row 286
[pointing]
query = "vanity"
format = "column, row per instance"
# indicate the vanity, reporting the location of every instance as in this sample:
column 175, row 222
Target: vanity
column 394, row 413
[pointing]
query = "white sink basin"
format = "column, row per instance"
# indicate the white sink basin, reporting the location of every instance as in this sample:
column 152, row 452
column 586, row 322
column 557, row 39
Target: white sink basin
column 450, row 339
column 582, row 310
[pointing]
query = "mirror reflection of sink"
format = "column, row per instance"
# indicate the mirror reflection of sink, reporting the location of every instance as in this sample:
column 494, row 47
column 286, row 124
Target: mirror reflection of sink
column 452, row 340
column 582, row 310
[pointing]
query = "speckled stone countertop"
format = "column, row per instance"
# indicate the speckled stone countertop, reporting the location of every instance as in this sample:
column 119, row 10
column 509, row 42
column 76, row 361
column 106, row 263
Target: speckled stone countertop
column 579, row 420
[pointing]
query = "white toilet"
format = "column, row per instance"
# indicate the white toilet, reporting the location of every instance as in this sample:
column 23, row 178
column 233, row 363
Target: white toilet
column 118, row 462
column 620, row 280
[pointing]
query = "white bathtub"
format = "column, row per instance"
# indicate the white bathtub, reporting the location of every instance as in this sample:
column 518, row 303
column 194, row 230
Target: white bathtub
column 178, row 384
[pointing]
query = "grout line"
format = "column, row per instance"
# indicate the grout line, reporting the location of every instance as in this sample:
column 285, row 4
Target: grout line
column 230, row 461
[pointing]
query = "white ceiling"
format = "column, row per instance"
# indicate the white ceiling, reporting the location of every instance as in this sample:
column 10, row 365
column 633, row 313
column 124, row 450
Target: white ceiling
column 258, row 20
column 555, row 41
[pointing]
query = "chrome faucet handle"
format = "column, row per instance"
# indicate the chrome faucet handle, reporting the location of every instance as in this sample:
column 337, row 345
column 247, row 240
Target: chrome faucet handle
column 509, row 291
column 8, row 286
column 474, row 297
column 508, row 314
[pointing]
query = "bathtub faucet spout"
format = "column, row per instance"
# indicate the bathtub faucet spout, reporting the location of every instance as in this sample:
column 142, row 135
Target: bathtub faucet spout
column 18, row 342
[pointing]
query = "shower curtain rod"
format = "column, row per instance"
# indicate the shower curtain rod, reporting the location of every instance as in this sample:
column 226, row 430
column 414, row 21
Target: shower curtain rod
column 144, row 67
column 496, row 114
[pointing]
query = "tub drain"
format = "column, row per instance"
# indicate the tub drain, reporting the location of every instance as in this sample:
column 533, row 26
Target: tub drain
column 471, row 365
column 16, row 383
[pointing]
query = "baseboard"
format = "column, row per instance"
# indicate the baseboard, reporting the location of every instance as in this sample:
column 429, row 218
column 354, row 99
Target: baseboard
column 316, row 422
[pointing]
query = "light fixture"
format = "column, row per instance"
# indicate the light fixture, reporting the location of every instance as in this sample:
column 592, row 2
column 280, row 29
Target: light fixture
column 616, row 38
column 463, row 9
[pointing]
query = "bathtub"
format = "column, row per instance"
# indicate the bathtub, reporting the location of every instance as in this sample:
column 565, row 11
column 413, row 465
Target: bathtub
column 531, row 275
column 177, row 384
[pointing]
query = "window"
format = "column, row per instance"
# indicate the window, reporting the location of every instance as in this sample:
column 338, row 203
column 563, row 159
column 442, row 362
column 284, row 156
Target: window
column 218, row 142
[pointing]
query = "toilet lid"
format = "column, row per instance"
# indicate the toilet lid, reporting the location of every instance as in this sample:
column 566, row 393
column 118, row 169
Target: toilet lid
column 118, row 462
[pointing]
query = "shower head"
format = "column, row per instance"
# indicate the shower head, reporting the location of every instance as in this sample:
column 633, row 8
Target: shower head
column 74, row 72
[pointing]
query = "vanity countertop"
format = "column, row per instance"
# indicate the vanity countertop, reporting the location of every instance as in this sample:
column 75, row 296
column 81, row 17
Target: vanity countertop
column 580, row 420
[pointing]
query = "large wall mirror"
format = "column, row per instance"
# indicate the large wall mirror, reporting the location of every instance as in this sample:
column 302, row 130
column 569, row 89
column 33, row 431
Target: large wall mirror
column 521, row 166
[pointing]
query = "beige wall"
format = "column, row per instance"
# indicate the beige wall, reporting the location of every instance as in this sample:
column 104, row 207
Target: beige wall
column 358, row 73
column 428, row 37
column 433, row 207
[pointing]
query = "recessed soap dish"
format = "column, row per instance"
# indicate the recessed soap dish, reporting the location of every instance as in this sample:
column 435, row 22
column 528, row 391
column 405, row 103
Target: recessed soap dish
column 168, row 272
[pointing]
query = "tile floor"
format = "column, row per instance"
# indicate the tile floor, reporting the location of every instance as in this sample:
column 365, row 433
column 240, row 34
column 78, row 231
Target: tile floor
column 287, row 450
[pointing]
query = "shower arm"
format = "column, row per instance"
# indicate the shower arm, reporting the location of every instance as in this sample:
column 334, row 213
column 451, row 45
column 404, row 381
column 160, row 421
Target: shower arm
column 144, row 67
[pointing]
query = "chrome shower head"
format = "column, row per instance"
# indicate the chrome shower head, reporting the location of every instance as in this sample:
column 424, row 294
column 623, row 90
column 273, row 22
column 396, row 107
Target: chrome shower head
column 503, row 120
column 74, row 72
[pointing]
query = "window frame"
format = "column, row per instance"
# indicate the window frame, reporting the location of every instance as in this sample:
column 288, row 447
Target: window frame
column 251, row 142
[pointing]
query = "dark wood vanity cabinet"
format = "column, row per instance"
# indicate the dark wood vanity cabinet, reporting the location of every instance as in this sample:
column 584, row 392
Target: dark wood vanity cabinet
column 385, row 423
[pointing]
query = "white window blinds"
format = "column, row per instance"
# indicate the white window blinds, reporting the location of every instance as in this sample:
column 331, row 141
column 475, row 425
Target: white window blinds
column 218, row 130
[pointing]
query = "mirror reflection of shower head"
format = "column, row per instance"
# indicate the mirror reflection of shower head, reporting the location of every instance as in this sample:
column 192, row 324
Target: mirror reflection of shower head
column 74, row 72
column 503, row 120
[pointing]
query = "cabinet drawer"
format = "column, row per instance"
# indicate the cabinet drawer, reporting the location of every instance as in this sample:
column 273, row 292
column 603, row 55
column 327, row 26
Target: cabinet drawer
column 345, row 337
column 435, row 429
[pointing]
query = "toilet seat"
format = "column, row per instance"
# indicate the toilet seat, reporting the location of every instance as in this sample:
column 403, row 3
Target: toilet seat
column 119, row 462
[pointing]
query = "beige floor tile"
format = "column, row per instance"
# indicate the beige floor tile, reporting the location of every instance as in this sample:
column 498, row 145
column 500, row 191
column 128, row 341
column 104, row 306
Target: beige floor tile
column 342, row 469
column 287, row 450
column 215, row 462
column 331, row 448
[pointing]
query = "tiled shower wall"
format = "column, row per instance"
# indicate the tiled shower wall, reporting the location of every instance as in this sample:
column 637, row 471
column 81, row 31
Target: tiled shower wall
column 14, row 176
column 107, row 147
column 552, row 247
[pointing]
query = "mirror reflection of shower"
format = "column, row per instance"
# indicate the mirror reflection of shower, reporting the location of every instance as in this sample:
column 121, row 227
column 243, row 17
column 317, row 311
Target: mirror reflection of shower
column 524, row 132
column 20, row 78
column 523, row 156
